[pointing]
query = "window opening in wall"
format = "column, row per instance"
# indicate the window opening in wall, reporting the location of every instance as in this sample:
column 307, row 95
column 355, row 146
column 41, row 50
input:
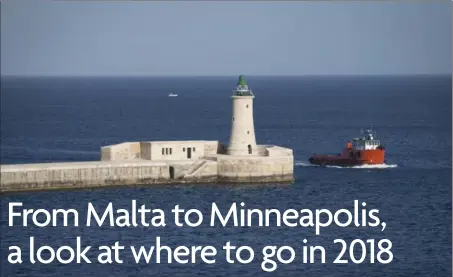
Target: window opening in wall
column 193, row 149
column 246, row 106
column 250, row 149
column 248, row 132
column 163, row 151
column 183, row 149
column 233, row 118
column 170, row 151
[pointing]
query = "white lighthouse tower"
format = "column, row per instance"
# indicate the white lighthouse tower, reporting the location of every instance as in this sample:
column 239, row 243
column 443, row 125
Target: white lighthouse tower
column 242, row 136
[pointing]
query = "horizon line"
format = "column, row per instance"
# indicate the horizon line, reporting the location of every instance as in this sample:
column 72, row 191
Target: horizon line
column 223, row 75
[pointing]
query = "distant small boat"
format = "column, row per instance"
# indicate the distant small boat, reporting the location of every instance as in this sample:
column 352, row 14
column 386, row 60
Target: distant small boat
column 172, row 95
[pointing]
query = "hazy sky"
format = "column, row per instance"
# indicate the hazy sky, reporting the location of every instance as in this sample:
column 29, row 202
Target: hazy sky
column 225, row 38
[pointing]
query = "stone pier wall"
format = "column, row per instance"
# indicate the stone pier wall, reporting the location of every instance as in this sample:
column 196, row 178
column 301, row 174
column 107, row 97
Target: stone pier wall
column 276, row 165
column 81, row 175
column 256, row 170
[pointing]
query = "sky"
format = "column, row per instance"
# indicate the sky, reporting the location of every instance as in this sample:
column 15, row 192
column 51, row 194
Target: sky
column 150, row 38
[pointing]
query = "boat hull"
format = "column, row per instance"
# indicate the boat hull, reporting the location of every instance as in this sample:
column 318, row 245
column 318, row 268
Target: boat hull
column 350, row 158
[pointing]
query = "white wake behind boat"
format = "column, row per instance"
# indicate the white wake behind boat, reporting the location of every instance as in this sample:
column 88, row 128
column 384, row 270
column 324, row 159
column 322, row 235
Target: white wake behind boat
column 172, row 95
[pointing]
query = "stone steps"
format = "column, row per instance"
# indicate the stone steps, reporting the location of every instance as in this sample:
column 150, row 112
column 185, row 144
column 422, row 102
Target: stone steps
column 195, row 169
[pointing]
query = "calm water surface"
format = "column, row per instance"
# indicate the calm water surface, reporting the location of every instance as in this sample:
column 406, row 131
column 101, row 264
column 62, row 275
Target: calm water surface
column 48, row 120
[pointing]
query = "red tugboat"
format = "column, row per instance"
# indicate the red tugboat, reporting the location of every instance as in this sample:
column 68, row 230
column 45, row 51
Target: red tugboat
column 365, row 150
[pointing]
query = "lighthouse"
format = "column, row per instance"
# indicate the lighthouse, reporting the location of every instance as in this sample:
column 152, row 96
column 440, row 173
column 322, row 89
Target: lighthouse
column 242, row 136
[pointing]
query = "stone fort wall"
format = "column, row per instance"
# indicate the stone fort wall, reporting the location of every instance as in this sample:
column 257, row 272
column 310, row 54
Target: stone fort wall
column 142, row 163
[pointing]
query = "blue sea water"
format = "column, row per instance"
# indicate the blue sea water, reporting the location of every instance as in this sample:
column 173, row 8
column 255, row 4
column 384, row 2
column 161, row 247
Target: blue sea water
column 69, row 119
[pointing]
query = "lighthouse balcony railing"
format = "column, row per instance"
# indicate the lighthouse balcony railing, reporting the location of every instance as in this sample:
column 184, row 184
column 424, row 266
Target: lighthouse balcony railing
column 243, row 93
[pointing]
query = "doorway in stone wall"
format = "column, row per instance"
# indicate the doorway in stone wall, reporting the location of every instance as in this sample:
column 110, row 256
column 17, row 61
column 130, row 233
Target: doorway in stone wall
column 189, row 152
column 250, row 149
column 172, row 172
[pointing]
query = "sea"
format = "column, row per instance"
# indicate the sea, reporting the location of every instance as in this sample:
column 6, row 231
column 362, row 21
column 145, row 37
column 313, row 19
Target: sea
column 66, row 119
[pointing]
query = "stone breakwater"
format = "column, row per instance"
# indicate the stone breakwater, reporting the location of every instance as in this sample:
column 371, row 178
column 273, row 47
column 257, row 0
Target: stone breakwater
column 214, row 168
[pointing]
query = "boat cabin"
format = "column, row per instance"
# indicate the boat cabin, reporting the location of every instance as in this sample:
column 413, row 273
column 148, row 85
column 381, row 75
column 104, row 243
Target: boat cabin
column 367, row 142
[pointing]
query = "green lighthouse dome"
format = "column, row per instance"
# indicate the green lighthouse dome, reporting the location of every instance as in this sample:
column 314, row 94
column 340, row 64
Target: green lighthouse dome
column 242, row 81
